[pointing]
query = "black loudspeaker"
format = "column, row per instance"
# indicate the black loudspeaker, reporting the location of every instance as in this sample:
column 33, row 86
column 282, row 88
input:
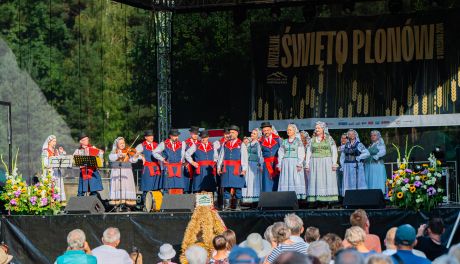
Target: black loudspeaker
column 278, row 201
column 84, row 205
column 178, row 203
column 364, row 199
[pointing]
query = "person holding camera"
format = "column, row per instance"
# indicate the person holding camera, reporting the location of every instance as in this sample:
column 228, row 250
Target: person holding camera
column 429, row 238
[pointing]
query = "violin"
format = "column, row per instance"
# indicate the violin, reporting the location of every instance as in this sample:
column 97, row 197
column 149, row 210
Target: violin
column 129, row 153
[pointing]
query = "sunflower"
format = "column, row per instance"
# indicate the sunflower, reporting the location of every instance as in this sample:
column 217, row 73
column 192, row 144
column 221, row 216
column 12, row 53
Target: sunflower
column 399, row 195
column 412, row 189
column 424, row 178
column 438, row 162
column 390, row 193
column 403, row 166
column 425, row 165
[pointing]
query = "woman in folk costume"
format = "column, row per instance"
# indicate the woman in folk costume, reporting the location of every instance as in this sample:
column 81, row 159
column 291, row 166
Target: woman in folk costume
column 322, row 164
column 90, row 179
column 291, row 157
column 253, row 176
column 122, row 187
column 201, row 156
column 352, row 158
column 376, row 174
column 305, row 137
column 171, row 153
column 49, row 150
column 343, row 141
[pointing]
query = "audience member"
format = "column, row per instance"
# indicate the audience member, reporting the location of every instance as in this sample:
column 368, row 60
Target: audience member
column 334, row 242
column 166, row 254
column 136, row 257
column 405, row 240
column 5, row 258
column 455, row 251
column 293, row 258
column 321, row 250
column 378, row 259
column 196, row 255
column 356, row 236
column 429, row 239
column 281, row 235
column 220, row 246
column 359, row 218
column 312, row 234
column 295, row 224
column 77, row 250
column 349, row 256
column 230, row 237
column 446, row 259
column 261, row 246
column 391, row 247
column 268, row 235
column 108, row 252
column 240, row 255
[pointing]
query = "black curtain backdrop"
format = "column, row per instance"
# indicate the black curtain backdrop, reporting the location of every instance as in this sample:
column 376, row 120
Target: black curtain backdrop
column 40, row 239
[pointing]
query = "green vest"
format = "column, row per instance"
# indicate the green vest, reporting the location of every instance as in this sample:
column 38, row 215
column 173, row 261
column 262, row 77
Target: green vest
column 253, row 154
column 291, row 149
column 320, row 149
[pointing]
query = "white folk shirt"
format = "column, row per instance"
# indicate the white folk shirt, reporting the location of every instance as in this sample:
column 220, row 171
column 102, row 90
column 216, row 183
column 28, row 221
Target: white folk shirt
column 110, row 255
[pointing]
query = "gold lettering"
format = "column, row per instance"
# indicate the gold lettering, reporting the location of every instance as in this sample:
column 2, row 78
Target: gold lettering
column 367, row 48
column 407, row 43
column 358, row 43
column 286, row 60
column 380, row 48
column 330, row 41
column 341, row 48
column 319, row 48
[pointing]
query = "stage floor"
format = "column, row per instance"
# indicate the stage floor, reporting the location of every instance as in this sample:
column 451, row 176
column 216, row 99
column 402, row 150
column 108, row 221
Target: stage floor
column 40, row 239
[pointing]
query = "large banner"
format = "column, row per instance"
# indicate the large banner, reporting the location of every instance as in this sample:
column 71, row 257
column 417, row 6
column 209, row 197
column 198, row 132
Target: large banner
column 350, row 67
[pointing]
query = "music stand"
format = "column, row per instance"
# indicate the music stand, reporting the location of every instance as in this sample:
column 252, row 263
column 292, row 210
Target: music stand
column 58, row 162
column 120, row 165
column 87, row 161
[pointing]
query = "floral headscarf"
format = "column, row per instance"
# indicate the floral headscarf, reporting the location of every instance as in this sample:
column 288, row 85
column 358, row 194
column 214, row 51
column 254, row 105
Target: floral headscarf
column 296, row 131
column 380, row 140
column 48, row 139
column 115, row 143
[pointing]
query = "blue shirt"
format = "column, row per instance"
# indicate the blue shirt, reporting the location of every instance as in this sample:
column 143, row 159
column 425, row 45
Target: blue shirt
column 76, row 257
column 408, row 257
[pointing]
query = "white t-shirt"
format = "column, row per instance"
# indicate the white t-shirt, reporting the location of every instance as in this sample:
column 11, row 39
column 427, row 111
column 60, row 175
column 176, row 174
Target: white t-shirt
column 416, row 252
column 110, row 255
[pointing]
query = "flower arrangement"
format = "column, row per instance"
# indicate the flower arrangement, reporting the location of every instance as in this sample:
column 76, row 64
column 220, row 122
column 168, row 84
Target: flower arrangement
column 417, row 188
column 20, row 198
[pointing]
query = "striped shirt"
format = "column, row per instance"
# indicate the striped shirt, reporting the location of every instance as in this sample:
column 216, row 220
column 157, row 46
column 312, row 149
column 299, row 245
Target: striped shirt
column 297, row 247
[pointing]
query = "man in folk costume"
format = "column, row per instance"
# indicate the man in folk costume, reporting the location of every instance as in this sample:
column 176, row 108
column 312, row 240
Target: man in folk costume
column 189, row 170
column 151, row 173
column 270, row 143
column 218, row 143
column 171, row 153
column 232, row 166
column 90, row 180
column 201, row 156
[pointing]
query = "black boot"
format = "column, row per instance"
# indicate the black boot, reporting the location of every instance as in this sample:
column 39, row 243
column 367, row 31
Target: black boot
column 226, row 205
column 238, row 205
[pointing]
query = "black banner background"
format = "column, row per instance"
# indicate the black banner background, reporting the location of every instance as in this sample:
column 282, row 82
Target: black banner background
column 424, row 86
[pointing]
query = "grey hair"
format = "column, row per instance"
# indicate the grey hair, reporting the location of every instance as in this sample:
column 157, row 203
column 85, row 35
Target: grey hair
column 445, row 259
column 321, row 250
column 268, row 235
column 196, row 255
column 294, row 223
column 355, row 235
column 76, row 239
column 379, row 259
column 349, row 256
column 111, row 235
column 455, row 251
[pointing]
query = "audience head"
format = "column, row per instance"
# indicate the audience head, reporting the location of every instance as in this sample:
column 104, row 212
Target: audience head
column 136, row 257
column 436, row 226
column 455, row 251
column 334, row 242
column 446, row 259
column 294, row 223
column 321, row 250
column 230, row 237
column 379, row 259
column 292, row 257
column 167, row 252
column 355, row 235
column 196, row 255
column 268, row 235
column 4, row 257
column 359, row 218
column 390, row 238
column 349, row 256
column 258, row 244
column 240, row 255
column 312, row 234
column 219, row 243
column 405, row 237
column 111, row 237
column 76, row 239
column 281, row 232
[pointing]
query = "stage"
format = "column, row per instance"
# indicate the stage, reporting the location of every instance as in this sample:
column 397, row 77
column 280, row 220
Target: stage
column 40, row 239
